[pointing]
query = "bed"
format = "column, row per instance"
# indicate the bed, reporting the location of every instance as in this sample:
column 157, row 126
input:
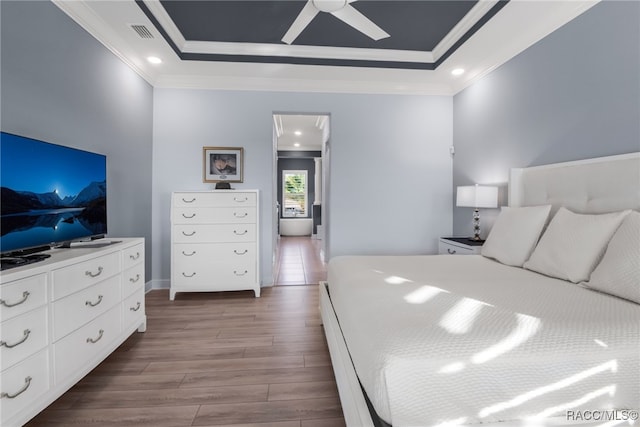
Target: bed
column 443, row 340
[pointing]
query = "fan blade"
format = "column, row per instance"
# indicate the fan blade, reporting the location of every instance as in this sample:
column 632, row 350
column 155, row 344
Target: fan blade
column 307, row 13
column 357, row 20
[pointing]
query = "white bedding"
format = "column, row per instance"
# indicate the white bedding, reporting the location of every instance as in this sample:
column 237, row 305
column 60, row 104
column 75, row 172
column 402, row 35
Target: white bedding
column 466, row 340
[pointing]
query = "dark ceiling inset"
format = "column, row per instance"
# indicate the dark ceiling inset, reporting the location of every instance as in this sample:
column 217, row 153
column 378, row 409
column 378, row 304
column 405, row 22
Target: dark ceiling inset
column 414, row 26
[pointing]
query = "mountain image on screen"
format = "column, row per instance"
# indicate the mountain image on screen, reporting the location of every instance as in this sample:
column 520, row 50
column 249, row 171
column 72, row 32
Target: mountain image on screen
column 50, row 195
column 25, row 210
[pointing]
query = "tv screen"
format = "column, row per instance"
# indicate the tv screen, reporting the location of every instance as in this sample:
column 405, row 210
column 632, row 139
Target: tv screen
column 49, row 194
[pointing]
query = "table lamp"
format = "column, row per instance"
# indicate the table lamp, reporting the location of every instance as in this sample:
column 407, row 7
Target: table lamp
column 477, row 196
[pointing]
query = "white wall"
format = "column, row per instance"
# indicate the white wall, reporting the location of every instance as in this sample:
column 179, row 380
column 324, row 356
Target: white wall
column 390, row 172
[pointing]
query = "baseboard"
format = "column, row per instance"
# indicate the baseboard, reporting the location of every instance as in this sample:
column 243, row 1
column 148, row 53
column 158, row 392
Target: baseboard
column 157, row 284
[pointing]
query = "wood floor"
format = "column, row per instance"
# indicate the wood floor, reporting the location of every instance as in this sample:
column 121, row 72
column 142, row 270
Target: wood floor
column 299, row 261
column 213, row 359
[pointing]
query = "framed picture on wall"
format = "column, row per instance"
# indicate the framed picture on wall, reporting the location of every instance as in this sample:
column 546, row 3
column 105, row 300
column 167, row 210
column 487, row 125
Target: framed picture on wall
column 223, row 164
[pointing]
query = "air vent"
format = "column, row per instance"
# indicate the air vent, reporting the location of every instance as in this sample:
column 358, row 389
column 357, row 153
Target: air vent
column 142, row 31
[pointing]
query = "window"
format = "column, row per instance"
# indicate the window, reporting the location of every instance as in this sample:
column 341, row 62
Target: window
column 294, row 193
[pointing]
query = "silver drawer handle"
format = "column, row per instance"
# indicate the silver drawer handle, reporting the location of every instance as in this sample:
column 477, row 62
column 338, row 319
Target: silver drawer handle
column 243, row 215
column 241, row 233
column 90, row 274
column 451, row 252
column 188, row 234
column 26, row 335
column 188, row 275
column 135, row 257
column 242, row 273
column 188, row 201
column 189, row 217
column 100, row 333
column 93, row 304
column 235, row 251
column 136, row 308
column 191, row 254
column 25, row 295
column 27, row 383
column 134, row 279
column 235, row 199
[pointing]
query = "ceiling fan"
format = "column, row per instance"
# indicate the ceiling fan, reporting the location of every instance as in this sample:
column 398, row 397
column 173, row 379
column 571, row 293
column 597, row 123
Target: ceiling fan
column 342, row 10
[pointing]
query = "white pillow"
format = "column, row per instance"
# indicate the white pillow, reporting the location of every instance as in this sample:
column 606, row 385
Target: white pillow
column 573, row 244
column 515, row 234
column 619, row 271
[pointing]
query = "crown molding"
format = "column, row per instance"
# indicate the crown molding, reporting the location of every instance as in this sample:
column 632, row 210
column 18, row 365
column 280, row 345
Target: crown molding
column 311, row 85
column 297, row 51
column 469, row 20
column 90, row 21
column 165, row 21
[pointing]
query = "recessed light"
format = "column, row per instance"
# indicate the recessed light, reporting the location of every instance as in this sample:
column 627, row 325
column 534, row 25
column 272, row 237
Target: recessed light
column 457, row 71
column 298, row 133
column 297, row 144
column 154, row 60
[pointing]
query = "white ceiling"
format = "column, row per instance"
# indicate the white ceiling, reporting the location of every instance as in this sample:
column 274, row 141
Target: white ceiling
column 515, row 27
column 303, row 129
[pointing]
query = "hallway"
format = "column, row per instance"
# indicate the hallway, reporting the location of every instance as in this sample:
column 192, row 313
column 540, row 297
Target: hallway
column 299, row 262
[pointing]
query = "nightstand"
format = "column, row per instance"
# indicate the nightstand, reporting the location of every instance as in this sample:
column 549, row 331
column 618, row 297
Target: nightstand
column 459, row 246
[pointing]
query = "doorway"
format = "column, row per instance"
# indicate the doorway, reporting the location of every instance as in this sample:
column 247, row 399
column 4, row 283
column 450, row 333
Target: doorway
column 300, row 147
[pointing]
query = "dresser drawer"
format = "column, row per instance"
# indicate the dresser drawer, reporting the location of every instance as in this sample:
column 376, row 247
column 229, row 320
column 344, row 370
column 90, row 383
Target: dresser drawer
column 214, row 233
column 72, row 312
column 133, row 309
column 239, row 215
column 220, row 253
column 70, row 279
column 22, row 295
column 132, row 256
column 78, row 349
column 214, row 199
column 132, row 279
column 202, row 271
column 24, row 383
column 449, row 247
column 23, row 336
column 204, row 264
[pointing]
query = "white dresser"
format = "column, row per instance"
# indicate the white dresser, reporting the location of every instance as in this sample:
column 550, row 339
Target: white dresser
column 214, row 241
column 63, row 316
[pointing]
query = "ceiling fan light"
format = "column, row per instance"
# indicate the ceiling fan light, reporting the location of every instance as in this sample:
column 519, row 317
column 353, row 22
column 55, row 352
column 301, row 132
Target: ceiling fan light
column 329, row 5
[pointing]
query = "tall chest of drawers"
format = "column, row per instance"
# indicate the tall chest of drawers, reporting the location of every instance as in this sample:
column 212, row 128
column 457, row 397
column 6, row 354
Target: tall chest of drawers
column 214, row 241
column 61, row 317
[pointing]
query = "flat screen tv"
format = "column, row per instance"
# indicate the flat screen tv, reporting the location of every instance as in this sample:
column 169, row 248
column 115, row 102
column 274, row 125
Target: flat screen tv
column 50, row 195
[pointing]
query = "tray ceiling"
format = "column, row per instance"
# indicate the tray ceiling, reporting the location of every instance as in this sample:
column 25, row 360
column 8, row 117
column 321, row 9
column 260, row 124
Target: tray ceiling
column 414, row 29
column 371, row 46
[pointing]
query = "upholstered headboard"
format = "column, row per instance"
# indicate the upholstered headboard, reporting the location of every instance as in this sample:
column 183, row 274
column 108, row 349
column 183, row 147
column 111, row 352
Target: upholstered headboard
column 599, row 185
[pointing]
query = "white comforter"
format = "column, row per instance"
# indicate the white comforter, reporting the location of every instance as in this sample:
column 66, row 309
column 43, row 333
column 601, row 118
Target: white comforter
column 465, row 340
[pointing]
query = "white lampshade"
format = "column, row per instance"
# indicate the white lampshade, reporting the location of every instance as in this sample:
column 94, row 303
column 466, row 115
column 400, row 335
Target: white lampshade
column 477, row 196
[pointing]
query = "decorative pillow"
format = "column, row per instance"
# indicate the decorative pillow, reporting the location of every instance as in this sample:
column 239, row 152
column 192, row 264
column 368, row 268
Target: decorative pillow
column 619, row 271
column 573, row 244
column 515, row 234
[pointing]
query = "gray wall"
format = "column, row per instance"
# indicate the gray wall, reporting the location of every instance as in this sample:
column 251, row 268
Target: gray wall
column 573, row 95
column 62, row 86
column 390, row 168
column 309, row 165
